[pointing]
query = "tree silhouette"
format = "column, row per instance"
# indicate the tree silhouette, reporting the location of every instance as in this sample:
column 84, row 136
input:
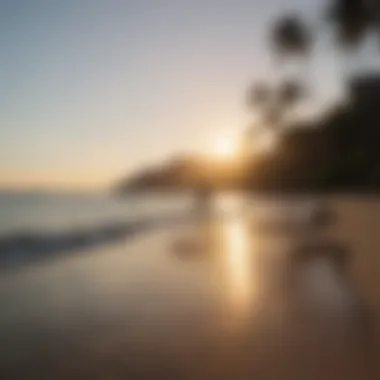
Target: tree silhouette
column 291, row 37
column 290, row 93
column 354, row 19
column 341, row 148
column 259, row 95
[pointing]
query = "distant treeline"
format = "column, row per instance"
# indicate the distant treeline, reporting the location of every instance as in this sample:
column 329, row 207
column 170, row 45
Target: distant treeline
column 338, row 152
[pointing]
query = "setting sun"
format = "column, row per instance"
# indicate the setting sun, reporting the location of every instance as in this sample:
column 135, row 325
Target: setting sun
column 224, row 146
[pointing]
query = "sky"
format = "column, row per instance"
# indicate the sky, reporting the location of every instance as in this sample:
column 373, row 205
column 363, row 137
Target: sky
column 91, row 90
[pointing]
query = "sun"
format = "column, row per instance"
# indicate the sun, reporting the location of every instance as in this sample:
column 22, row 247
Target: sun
column 224, row 146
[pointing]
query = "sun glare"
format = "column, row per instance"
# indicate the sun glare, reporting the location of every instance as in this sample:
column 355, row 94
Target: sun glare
column 224, row 147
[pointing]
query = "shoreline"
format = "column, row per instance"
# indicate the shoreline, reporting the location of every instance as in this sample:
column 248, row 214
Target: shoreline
column 19, row 249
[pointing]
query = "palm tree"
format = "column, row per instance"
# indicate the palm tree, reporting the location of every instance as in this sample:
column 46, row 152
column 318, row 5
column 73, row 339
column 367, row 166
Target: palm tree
column 291, row 37
column 259, row 95
column 354, row 19
column 290, row 93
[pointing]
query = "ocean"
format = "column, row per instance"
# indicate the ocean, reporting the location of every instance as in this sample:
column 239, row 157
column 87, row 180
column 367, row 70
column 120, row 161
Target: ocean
column 37, row 212
column 38, row 226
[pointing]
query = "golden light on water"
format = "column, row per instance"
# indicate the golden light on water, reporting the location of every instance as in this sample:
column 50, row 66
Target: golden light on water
column 239, row 281
column 238, row 264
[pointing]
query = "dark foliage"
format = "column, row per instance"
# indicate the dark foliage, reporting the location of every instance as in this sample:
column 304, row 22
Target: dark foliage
column 290, row 36
column 354, row 19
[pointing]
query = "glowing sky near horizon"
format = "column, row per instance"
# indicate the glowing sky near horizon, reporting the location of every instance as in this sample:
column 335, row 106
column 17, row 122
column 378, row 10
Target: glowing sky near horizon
column 92, row 89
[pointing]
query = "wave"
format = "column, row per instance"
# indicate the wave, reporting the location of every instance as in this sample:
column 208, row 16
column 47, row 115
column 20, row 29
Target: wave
column 24, row 247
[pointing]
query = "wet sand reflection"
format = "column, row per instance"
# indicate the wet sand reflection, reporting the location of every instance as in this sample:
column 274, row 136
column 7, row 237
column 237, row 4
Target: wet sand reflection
column 286, row 293
column 238, row 268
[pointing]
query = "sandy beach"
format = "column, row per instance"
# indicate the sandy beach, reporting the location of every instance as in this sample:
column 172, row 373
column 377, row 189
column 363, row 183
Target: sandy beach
column 214, row 299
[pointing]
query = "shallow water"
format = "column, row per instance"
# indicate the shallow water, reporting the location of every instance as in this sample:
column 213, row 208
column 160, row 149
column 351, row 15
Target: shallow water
column 221, row 298
column 38, row 212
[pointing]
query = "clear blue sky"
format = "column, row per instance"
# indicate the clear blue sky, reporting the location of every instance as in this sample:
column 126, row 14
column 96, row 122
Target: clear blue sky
column 90, row 89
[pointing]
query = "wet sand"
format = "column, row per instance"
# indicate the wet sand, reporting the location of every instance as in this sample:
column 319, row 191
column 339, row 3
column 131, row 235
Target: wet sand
column 218, row 299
